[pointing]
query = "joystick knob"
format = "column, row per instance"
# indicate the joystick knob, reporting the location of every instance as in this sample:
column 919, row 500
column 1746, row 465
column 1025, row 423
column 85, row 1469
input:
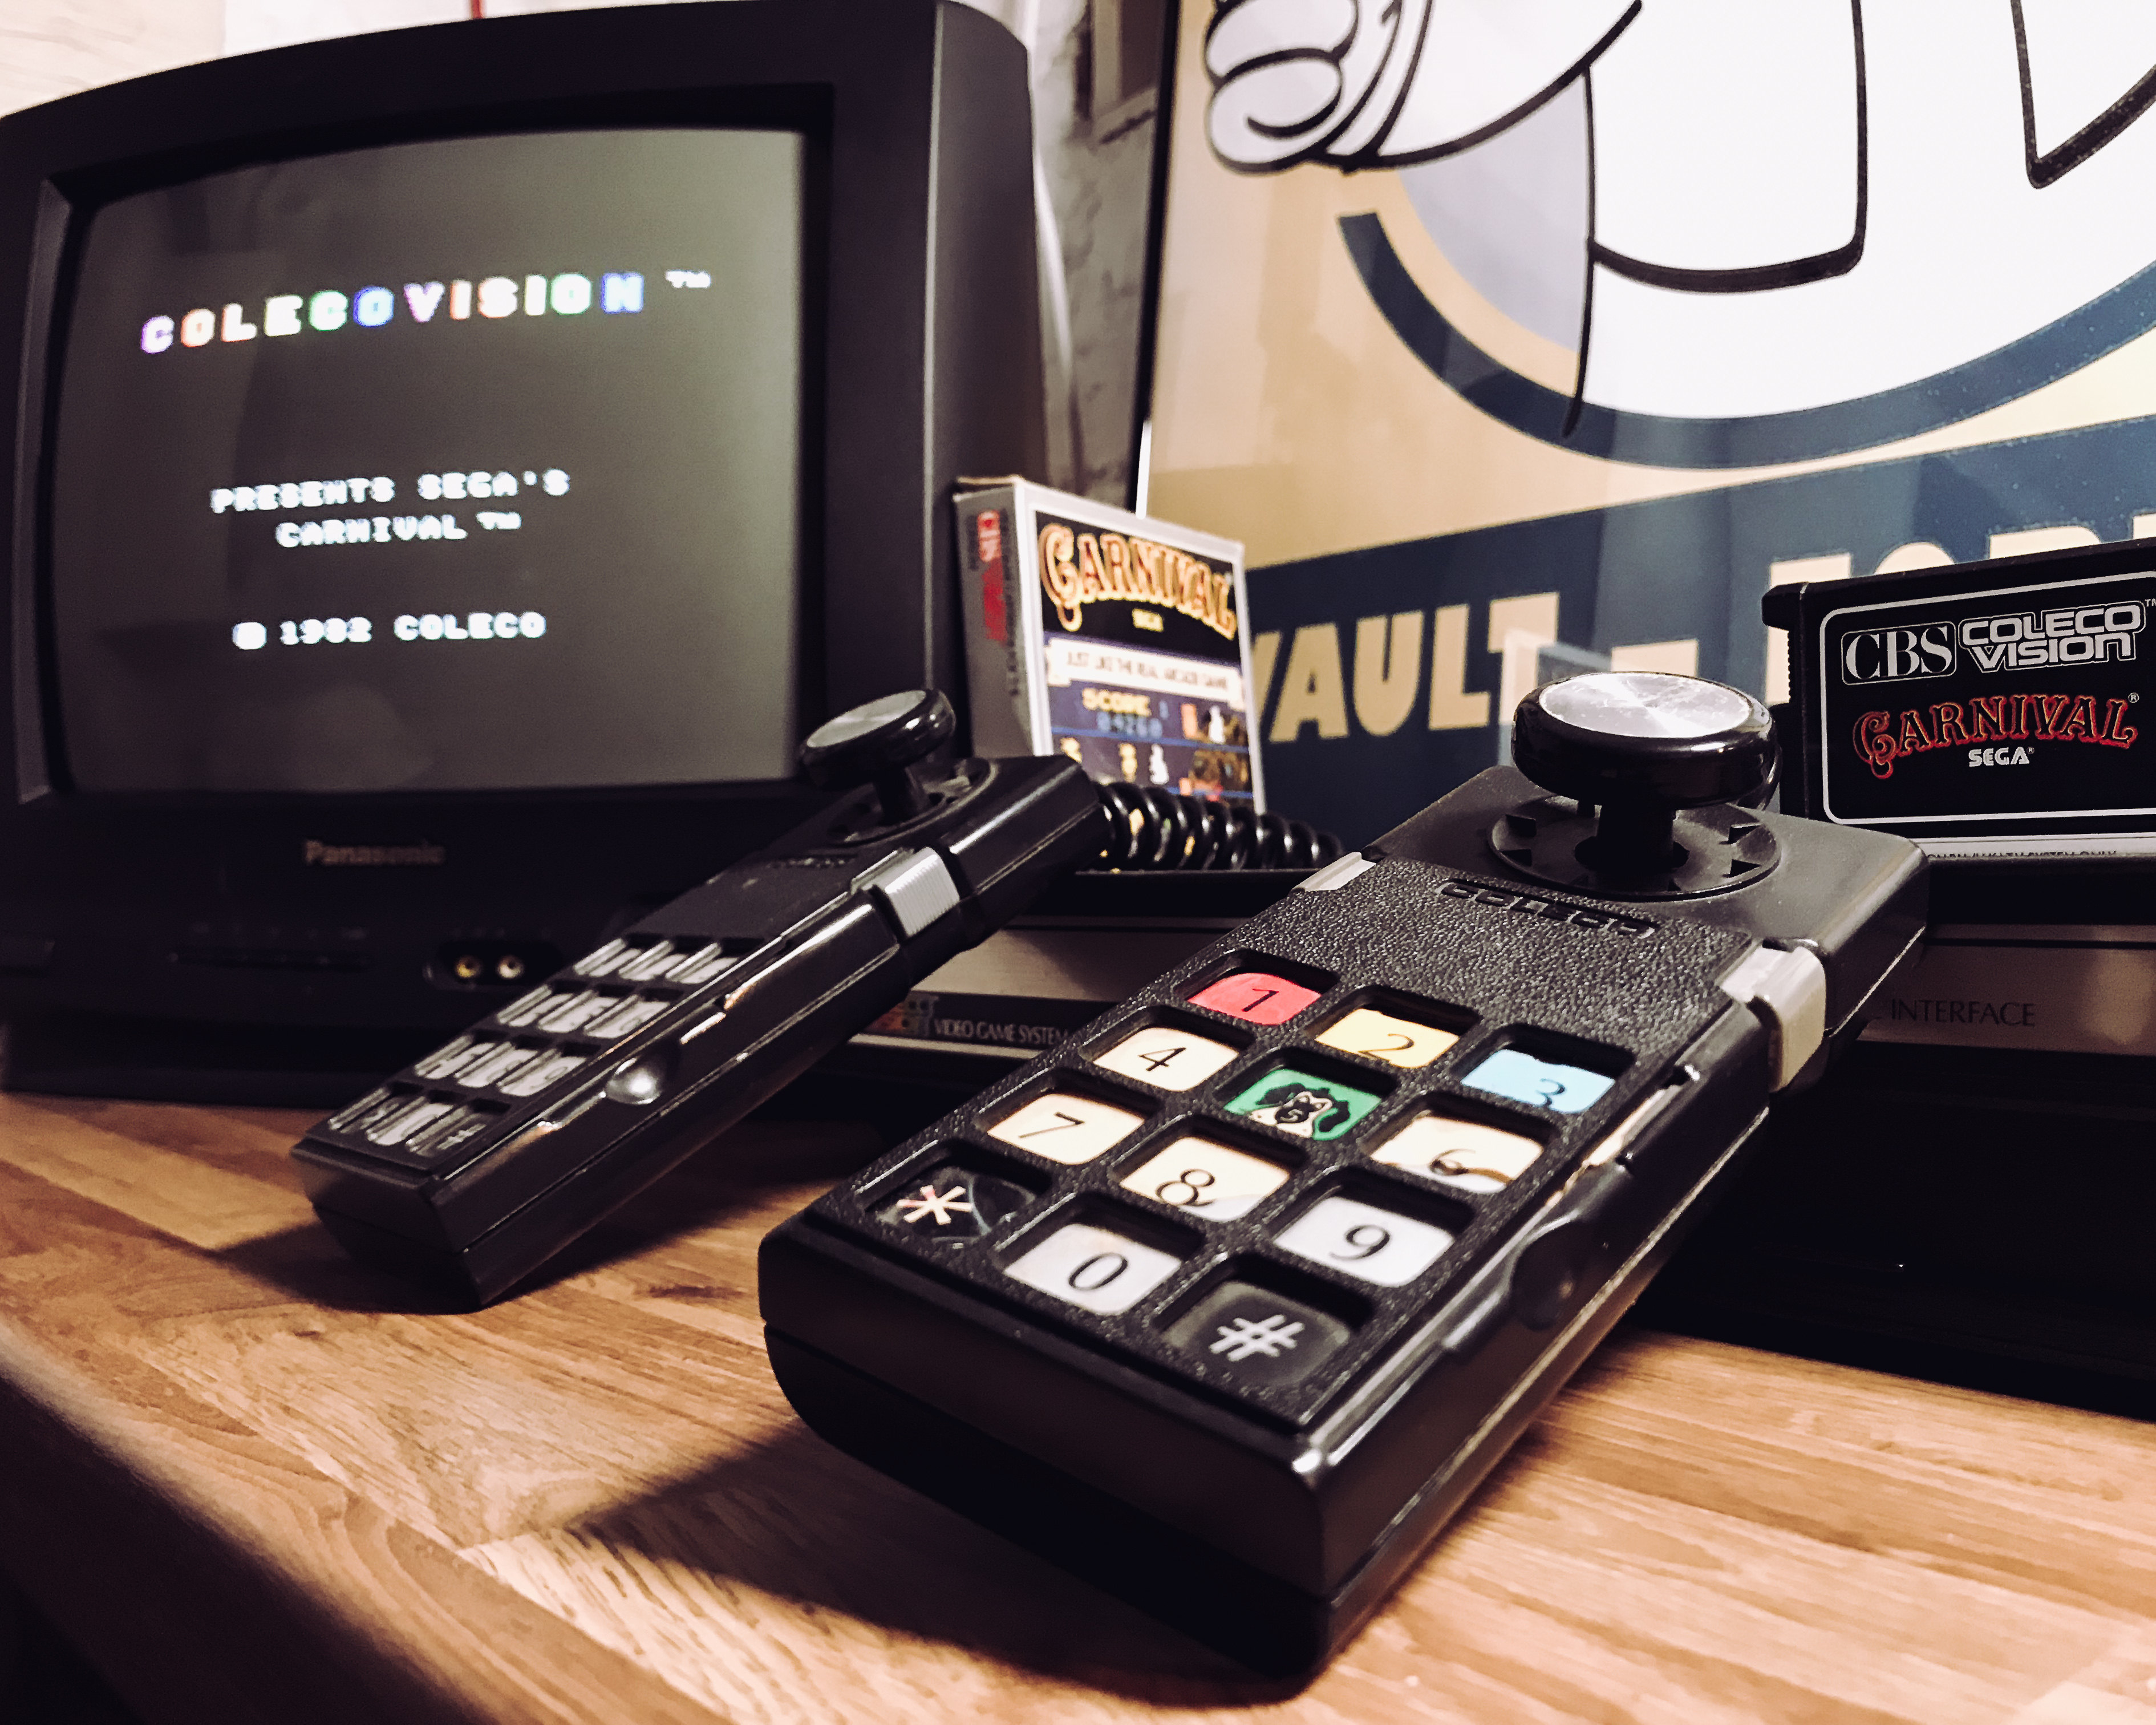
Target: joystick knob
column 876, row 744
column 1637, row 753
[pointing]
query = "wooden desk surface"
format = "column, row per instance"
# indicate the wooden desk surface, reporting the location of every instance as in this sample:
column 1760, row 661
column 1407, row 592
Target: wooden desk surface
column 255, row 1481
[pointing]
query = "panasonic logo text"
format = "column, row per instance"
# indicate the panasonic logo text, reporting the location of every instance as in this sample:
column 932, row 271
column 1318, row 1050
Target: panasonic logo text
column 314, row 854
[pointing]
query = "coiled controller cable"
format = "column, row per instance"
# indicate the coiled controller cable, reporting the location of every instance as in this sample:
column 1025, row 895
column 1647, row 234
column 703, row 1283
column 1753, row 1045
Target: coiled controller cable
column 1152, row 829
column 888, row 743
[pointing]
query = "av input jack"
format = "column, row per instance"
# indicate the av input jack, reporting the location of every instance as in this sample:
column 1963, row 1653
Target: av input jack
column 479, row 961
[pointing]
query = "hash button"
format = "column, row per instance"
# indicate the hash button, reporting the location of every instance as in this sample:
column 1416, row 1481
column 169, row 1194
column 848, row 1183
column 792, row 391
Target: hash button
column 1251, row 1335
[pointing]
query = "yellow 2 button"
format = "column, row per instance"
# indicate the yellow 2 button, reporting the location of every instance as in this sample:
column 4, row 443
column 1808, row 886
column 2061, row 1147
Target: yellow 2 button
column 1402, row 1042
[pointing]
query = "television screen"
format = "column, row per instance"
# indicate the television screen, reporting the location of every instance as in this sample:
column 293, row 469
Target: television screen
column 473, row 463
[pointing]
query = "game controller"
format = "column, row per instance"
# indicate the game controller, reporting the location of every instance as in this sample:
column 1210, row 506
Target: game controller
column 471, row 1167
column 1228, row 1302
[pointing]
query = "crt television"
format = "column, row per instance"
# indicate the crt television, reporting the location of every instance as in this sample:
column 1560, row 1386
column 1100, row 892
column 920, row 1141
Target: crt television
column 450, row 471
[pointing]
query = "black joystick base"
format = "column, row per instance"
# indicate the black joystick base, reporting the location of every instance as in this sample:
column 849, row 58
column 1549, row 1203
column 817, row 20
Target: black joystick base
column 1705, row 850
column 1633, row 841
column 1653, row 772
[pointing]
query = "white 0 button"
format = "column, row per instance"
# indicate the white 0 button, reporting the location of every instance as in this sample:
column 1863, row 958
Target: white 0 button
column 1094, row 1268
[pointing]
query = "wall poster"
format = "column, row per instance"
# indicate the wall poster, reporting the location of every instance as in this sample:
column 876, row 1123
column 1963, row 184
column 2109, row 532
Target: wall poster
column 1520, row 335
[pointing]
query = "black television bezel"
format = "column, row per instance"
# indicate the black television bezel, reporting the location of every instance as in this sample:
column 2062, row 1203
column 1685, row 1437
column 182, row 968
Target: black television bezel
column 924, row 366
column 40, row 729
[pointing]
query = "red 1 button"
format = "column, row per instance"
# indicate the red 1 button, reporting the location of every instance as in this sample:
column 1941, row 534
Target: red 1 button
column 1255, row 998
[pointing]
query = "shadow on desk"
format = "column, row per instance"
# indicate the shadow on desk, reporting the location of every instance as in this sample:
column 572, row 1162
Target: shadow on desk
column 43, row 1680
column 792, row 1519
column 780, row 1538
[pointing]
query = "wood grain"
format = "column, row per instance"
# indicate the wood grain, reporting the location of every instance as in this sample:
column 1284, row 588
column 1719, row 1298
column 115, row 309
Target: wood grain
column 256, row 1481
column 194, row 1180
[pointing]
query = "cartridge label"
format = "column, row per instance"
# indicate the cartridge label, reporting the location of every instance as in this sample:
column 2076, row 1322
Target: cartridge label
column 1992, row 711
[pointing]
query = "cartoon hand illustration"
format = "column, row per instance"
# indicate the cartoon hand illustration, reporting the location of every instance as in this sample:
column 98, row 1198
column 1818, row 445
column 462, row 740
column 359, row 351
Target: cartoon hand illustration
column 1289, row 74
column 2086, row 77
column 1362, row 83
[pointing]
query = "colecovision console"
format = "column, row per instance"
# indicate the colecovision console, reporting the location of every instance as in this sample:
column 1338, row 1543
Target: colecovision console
column 1227, row 1303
